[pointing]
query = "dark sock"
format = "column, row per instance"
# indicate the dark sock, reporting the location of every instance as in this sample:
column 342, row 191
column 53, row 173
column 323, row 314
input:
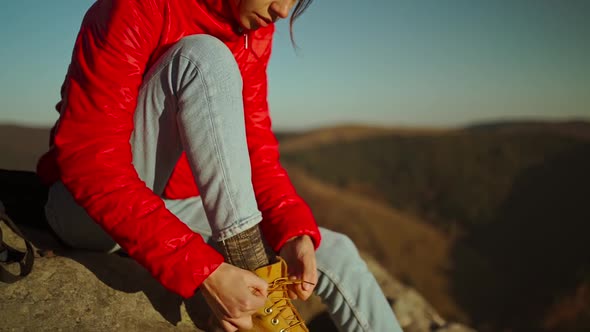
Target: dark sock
column 247, row 250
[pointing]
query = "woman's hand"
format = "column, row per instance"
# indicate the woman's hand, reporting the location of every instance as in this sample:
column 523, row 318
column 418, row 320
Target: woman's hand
column 299, row 253
column 234, row 295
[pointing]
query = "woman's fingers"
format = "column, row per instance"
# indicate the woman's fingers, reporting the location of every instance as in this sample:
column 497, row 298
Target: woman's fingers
column 259, row 288
column 243, row 323
column 227, row 326
column 299, row 253
column 234, row 295
column 308, row 276
column 310, row 273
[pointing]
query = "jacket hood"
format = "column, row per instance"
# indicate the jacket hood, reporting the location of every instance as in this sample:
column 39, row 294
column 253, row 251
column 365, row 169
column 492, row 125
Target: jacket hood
column 221, row 11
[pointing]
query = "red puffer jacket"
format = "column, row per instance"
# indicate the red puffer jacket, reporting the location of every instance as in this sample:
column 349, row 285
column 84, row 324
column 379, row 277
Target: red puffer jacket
column 90, row 151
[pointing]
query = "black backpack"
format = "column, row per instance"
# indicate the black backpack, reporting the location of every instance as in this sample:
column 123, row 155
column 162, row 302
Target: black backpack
column 10, row 255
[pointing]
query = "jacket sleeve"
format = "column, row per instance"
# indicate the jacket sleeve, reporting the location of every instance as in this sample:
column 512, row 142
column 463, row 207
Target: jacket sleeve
column 285, row 214
column 94, row 153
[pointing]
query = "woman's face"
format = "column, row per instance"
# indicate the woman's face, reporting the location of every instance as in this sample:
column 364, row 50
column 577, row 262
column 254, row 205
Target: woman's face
column 253, row 14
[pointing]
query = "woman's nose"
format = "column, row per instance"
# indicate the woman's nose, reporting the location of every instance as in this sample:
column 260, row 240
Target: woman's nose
column 282, row 8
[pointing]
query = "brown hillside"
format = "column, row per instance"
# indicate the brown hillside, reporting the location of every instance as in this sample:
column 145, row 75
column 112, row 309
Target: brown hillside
column 293, row 141
column 518, row 191
column 407, row 247
column 348, row 133
column 20, row 147
column 576, row 128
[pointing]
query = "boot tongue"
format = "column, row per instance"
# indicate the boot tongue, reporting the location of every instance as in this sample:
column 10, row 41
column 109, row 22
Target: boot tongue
column 273, row 271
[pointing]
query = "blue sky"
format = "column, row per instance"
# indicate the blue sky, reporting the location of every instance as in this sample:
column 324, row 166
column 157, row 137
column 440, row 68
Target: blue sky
column 386, row 62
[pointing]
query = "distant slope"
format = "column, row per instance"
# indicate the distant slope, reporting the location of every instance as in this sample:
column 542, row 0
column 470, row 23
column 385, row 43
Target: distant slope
column 299, row 140
column 520, row 258
column 574, row 128
column 458, row 176
column 407, row 247
column 20, row 147
column 294, row 141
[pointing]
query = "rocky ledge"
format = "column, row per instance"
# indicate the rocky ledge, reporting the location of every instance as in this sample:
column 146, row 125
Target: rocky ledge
column 83, row 291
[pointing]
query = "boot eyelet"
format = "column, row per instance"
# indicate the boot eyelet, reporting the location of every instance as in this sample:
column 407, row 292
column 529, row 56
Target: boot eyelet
column 283, row 330
column 268, row 310
column 274, row 321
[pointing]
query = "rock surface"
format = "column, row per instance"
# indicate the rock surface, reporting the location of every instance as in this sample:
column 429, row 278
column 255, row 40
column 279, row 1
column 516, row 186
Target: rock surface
column 83, row 291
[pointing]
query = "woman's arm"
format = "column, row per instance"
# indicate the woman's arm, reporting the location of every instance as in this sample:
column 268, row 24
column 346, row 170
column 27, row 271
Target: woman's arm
column 285, row 214
column 94, row 154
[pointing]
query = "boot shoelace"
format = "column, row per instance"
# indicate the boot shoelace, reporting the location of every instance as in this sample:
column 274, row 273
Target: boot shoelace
column 283, row 302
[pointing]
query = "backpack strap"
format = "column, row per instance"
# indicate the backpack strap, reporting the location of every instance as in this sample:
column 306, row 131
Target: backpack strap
column 9, row 255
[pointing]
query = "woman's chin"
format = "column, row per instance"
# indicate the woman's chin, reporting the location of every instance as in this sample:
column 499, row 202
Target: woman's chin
column 249, row 24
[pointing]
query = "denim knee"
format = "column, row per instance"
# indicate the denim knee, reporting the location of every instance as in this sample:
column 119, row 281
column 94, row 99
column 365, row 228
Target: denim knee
column 345, row 245
column 210, row 56
column 341, row 251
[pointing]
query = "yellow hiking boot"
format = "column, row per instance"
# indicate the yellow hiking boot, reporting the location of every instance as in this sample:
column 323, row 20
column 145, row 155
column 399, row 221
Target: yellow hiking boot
column 278, row 313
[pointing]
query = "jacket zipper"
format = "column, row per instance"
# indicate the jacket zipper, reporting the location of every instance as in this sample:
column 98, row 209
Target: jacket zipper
column 246, row 41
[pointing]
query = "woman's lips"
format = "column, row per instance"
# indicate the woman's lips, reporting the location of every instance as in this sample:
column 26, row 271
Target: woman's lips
column 261, row 21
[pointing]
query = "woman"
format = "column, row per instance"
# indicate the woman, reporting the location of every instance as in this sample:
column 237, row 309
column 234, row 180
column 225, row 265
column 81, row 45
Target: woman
column 164, row 143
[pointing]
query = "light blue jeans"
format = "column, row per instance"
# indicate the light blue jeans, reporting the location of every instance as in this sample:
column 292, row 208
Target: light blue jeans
column 191, row 100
